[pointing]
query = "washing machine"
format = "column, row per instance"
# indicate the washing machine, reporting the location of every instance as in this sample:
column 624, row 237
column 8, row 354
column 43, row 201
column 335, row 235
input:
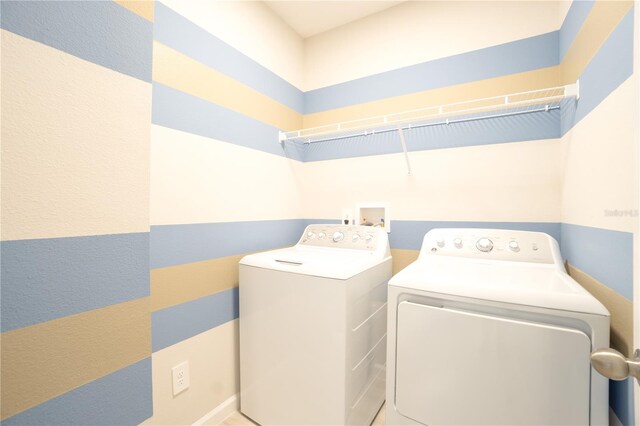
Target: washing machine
column 487, row 328
column 313, row 323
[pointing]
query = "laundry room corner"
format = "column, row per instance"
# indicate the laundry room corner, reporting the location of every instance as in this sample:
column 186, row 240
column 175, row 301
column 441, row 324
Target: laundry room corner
column 477, row 174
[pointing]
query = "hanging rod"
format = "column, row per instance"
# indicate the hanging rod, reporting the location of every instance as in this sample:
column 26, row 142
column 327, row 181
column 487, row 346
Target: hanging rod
column 498, row 106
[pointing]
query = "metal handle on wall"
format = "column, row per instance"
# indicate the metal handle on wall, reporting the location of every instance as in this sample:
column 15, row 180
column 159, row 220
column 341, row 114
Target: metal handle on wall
column 613, row 365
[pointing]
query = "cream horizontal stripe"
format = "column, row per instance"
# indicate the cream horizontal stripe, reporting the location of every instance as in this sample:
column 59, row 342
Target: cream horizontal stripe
column 180, row 72
column 416, row 32
column 601, row 21
column 599, row 172
column 45, row 360
column 173, row 285
column 229, row 21
column 530, row 80
column 510, row 182
column 620, row 308
column 195, row 179
column 604, row 17
column 142, row 8
column 402, row 258
column 75, row 135
column 213, row 364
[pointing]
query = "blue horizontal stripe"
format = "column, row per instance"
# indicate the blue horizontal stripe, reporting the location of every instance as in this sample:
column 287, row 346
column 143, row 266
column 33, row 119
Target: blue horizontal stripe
column 510, row 58
column 181, row 111
column 604, row 254
column 177, row 323
column 178, row 244
column 183, row 35
column 408, row 234
column 609, row 68
column 46, row 279
column 572, row 24
column 621, row 400
column 101, row 32
column 120, row 398
column 516, row 128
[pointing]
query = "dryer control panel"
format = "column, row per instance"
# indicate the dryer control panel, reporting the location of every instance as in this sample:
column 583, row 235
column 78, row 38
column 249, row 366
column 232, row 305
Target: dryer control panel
column 345, row 236
column 495, row 244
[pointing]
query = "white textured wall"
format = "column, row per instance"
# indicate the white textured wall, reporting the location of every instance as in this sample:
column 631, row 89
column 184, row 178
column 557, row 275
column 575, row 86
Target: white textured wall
column 420, row 31
column 600, row 163
column 195, row 179
column 214, row 375
column 502, row 182
column 253, row 29
column 66, row 169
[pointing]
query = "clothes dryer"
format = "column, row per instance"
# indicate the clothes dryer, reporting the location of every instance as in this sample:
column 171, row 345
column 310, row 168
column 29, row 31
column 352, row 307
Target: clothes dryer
column 487, row 328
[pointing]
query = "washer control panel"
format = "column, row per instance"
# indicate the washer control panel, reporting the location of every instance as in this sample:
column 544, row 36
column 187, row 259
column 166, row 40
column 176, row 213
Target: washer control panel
column 344, row 236
column 496, row 244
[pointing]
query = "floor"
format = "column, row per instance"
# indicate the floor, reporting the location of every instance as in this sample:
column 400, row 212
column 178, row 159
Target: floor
column 237, row 419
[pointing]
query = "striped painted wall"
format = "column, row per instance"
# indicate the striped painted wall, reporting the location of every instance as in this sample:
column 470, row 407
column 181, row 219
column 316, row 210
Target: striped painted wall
column 221, row 187
column 76, row 108
column 600, row 184
column 93, row 196
column 558, row 172
column 490, row 173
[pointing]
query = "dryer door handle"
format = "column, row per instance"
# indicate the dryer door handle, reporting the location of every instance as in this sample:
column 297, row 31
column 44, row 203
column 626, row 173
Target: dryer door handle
column 613, row 365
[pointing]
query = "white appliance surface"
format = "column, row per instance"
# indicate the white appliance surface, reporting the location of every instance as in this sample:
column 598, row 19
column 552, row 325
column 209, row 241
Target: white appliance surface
column 344, row 263
column 499, row 281
column 486, row 328
column 313, row 328
column 475, row 344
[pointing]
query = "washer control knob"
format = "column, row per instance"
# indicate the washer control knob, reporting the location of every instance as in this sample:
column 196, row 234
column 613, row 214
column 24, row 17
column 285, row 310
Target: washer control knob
column 514, row 246
column 457, row 243
column 338, row 236
column 484, row 244
column 368, row 237
column 321, row 235
column 311, row 235
column 440, row 242
column 355, row 238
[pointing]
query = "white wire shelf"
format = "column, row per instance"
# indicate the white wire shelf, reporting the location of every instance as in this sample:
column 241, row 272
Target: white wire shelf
column 477, row 109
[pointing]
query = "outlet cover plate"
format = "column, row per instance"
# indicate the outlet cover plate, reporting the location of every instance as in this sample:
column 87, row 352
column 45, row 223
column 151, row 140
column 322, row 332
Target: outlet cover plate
column 180, row 375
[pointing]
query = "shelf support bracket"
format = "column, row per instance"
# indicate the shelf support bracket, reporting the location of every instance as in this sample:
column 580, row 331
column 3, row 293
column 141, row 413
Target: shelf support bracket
column 404, row 149
column 573, row 90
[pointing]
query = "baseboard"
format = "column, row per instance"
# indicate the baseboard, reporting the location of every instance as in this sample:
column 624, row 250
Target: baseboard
column 221, row 412
column 613, row 419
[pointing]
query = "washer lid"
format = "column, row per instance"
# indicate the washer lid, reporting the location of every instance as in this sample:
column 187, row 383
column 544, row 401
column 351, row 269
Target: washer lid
column 323, row 262
column 499, row 281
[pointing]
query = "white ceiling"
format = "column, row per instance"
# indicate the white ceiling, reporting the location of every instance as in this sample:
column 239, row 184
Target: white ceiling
column 312, row 17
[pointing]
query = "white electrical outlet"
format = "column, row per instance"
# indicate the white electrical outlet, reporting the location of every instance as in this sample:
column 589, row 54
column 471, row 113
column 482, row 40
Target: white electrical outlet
column 180, row 377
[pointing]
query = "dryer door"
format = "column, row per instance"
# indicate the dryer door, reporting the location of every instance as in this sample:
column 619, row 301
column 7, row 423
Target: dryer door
column 464, row 368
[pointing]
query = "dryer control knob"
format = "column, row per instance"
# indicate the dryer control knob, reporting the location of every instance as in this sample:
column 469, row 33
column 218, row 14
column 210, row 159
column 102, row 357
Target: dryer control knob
column 484, row 244
column 321, row 235
column 311, row 235
column 368, row 237
column 338, row 236
column 457, row 243
column 440, row 242
column 514, row 246
column 355, row 237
